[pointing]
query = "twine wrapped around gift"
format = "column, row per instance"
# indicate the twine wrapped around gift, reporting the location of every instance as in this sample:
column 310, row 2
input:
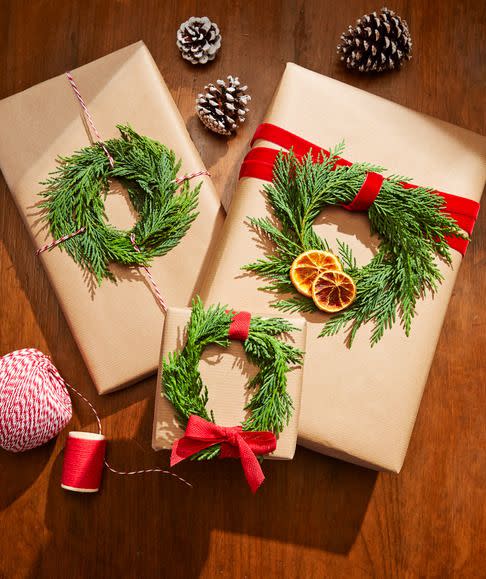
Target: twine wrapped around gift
column 92, row 131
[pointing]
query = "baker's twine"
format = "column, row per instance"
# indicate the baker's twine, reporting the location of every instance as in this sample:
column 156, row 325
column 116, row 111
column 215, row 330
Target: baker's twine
column 177, row 181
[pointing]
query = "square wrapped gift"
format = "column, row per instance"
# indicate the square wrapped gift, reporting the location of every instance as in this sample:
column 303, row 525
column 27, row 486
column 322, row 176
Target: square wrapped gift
column 359, row 403
column 117, row 326
column 228, row 370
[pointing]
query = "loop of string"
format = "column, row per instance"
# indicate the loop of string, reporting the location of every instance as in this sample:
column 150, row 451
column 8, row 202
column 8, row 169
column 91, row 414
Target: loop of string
column 177, row 181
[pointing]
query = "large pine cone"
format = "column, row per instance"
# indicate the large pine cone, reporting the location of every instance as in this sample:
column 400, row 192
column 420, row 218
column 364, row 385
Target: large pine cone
column 377, row 43
column 198, row 39
column 222, row 108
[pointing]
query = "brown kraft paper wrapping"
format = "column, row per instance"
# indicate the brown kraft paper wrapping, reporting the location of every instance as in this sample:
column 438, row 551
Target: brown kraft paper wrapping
column 358, row 404
column 116, row 326
column 225, row 372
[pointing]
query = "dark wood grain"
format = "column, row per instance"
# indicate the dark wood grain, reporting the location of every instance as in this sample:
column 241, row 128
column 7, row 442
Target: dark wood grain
column 314, row 517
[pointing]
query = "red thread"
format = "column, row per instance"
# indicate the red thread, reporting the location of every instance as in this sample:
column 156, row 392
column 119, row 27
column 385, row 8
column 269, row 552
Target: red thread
column 240, row 326
column 259, row 162
column 84, row 456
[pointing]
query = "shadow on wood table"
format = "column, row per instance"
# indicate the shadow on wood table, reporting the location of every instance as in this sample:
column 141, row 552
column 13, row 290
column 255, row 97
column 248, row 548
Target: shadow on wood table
column 133, row 517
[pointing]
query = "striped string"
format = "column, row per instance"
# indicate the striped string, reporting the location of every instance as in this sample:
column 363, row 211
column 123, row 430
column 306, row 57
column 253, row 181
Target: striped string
column 177, row 181
column 180, row 180
column 160, row 299
column 62, row 239
column 88, row 117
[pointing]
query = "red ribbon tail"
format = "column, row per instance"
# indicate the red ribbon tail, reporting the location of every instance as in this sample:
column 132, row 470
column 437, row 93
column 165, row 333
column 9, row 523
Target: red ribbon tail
column 251, row 467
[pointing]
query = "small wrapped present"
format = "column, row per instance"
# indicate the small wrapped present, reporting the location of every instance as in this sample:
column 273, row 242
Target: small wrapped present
column 251, row 370
column 117, row 326
column 359, row 403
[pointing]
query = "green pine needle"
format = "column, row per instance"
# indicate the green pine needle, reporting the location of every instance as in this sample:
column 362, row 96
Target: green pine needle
column 74, row 198
column 410, row 224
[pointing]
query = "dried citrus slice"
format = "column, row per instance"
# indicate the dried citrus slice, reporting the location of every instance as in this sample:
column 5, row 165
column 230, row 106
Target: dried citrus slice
column 308, row 265
column 332, row 291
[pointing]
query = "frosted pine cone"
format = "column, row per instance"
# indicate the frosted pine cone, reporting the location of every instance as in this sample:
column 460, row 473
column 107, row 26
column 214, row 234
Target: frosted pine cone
column 377, row 43
column 222, row 108
column 198, row 39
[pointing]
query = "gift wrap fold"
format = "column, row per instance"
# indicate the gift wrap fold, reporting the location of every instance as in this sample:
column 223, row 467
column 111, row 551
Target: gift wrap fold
column 225, row 372
column 358, row 404
column 117, row 326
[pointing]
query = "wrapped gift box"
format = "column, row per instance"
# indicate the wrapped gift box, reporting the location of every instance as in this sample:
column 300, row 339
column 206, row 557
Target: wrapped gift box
column 358, row 404
column 116, row 326
column 225, row 372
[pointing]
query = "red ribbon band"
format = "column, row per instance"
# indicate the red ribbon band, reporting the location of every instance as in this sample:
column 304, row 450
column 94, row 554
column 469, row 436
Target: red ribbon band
column 240, row 326
column 235, row 443
column 259, row 163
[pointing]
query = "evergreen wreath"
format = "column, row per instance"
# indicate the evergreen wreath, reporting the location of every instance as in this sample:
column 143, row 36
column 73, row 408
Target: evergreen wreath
column 74, row 199
column 410, row 224
column 270, row 406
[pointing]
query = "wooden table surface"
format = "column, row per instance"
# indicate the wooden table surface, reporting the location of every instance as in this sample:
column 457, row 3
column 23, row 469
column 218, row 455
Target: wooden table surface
column 315, row 516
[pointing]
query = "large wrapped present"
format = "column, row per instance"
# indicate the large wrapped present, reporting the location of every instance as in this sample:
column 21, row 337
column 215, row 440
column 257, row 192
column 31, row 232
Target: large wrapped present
column 227, row 372
column 118, row 325
column 360, row 402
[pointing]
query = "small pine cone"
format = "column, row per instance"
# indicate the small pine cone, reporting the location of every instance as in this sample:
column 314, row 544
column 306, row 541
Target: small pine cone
column 377, row 43
column 222, row 108
column 198, row 39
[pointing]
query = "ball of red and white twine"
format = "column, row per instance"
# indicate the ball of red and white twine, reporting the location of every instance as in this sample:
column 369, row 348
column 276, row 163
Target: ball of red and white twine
column 34, row 402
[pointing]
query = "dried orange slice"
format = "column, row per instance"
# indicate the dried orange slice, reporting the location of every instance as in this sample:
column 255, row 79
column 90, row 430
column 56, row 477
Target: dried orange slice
column 308, row 265
column 332, row 291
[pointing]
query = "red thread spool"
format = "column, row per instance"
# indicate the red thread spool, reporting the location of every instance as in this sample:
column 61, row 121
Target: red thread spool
column 84, row 457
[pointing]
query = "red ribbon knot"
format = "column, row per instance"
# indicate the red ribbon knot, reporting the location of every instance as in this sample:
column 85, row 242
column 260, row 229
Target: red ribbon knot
column 235, row 443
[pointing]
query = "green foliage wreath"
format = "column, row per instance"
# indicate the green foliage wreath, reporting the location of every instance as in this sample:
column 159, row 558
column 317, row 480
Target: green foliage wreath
column 270, row 406
column 411, row 226
column 74, row 199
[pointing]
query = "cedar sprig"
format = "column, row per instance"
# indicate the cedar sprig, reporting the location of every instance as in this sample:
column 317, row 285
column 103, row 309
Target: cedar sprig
column 75, row 193
column 411, row 226
column 270, row 406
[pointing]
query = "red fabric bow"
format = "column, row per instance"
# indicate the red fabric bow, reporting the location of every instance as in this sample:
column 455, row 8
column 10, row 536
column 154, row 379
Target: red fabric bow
column 235, row 443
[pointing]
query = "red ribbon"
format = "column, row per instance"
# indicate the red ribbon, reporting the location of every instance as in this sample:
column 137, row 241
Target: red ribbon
column 240, row 326
column 235, row 443
column 259, row 163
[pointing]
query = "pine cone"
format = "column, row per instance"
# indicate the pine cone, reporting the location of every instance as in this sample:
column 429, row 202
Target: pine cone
column 222, row 108
column 377, row 43
column 198, row 39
